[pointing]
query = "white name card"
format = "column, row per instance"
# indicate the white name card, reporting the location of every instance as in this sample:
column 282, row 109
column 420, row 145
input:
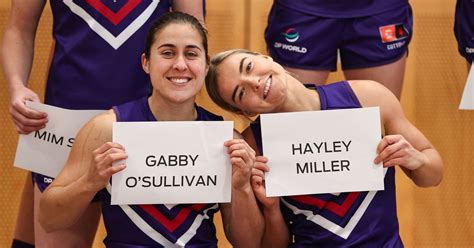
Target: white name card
column 173, row 162
column 327, row 151
column 467, row 100
column 46, row 151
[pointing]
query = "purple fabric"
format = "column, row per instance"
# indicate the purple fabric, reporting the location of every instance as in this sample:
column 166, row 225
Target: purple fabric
column 464, row 28
column 342, row 8
column 122, row 232
column 86, row 72
column 378, row 223
column 308, row 41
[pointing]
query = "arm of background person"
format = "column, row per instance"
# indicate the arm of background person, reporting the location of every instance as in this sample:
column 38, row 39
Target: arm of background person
column 276, row 233
column 17, row 60
column 242, row 220
column 403, row 144
column 87, row 171
column 192, row 7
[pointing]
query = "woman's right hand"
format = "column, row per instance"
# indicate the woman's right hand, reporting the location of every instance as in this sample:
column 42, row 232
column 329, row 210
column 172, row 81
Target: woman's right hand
column 26, row 119
column 99, row 174
column 258, row 183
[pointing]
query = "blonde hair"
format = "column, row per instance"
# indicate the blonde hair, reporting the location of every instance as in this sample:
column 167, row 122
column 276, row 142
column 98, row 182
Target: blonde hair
column 212, row 85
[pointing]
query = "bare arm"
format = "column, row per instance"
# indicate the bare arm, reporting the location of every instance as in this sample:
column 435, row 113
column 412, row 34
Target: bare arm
column 17, row 59
column 403, row 144
column 192, row 7
column 243, row 223
column 87, row 171
column 276, row 233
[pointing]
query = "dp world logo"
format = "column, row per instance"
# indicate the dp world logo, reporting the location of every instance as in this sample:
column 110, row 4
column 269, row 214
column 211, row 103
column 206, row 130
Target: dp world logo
column 291, row 35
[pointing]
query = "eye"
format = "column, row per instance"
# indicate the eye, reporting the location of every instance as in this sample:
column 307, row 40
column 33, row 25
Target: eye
column 167, row 53
column 191, row 54
column 241, row 94
column 249, row 67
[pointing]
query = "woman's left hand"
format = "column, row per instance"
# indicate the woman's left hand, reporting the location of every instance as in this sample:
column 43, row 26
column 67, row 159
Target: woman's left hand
column 242, row 158
column 396, row 150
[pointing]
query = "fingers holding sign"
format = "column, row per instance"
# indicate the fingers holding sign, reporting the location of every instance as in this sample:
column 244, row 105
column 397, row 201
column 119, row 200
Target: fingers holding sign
column 26, row 119
column 258, row 183
column 396, row 150
column 242, row 158
column 99, row 174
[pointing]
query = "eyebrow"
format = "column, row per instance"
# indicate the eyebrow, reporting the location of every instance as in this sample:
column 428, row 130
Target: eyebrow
column 242, row 64
column 240, row 70
column 172, row 45
column 233, row 93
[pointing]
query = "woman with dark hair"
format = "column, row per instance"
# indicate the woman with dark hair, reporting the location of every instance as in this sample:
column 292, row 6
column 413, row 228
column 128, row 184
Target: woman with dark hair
column 176, row 60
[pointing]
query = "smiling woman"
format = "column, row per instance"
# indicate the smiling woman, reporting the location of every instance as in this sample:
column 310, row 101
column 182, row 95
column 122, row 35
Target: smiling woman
column 176, row 61
column 250, row 83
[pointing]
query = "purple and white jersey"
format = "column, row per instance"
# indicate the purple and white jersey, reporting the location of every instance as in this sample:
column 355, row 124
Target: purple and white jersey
column 355, row 219
column 98, row 44
column 342, row 8
column 158, row 225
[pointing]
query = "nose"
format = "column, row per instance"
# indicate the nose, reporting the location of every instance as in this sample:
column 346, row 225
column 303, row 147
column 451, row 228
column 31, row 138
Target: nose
column 252, row 81
column 180, row 63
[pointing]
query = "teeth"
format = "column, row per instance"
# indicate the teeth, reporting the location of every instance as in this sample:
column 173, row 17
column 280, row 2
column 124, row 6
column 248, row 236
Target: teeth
column 268, row 83
column 179, row 80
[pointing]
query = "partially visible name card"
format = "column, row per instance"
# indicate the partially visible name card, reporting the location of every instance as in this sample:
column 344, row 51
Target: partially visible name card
column 173, row 162
column 467, row 100
column 46, row 151
column 317, row 152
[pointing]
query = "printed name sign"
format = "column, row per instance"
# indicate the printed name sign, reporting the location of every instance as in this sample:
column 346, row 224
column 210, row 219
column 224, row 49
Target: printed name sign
column 173, row 162
column 46, row 151
column 327, row 151
column 467, row 100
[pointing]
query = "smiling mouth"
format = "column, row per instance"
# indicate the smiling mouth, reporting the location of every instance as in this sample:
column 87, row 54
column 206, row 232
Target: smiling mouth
column 268, row 85
column 179, row 80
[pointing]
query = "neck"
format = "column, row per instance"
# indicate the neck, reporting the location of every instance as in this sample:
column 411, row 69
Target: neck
column 168, row 111
column 300, row 98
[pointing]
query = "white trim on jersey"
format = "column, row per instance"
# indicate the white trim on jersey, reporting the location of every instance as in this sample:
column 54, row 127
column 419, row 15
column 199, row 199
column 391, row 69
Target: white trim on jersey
column 342, row 232
column 114, row 41
column 155, row 235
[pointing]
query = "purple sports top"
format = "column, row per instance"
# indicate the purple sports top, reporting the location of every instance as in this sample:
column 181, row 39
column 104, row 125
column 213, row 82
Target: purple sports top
column 342, row 8
column 98, row 44
column 356, row 219
column 146, row 226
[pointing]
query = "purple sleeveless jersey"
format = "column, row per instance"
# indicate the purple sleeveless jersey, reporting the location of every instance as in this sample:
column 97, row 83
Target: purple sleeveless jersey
column 96, row 61
column 356, row 219
column 146, row 226
column 342, row 8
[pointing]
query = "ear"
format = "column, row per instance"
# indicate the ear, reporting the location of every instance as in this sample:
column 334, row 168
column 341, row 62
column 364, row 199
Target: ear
column 145, row 64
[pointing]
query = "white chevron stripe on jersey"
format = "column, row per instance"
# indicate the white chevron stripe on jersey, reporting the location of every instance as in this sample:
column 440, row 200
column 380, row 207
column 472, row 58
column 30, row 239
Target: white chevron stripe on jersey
column 156, row 236
column 342, row 232
column 114, row 41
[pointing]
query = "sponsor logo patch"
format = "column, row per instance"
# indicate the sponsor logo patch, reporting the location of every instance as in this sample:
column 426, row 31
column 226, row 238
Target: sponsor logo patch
column 291, row 35
column 393, row 32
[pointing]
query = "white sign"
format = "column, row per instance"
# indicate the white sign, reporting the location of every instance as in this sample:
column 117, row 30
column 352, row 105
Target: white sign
column 467, row 100
column 173, row 162
column 46, row 151
column 327, row 151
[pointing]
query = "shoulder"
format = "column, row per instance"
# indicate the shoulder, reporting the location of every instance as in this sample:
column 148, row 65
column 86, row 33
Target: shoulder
column 103, row 121
column 98, row 128
column 373, row 94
